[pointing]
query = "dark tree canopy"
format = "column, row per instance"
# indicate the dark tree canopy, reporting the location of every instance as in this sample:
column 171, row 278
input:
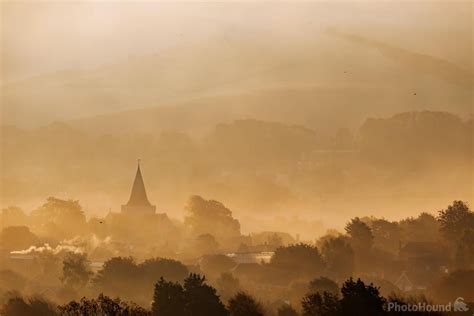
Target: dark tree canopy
column 424, row 228
column 121, row 276
column 154, row 269
column 76, row 271
column 361, row 299
column 387, row 235
column 19, row 306
column 322, row 285
column 195, row 298
column 287, row 310
column 455, row 220
column 243, row 304
column 339, row 257
column 459, row 283
column 60, row 217
column 102, row 306
column 216, row 264
column 321, row 304
column 464, row 256
column 200, row 298
column 168, row 299
column 17, row 238
column 360, row 233
column 300, row 258
column 206, row 244
column 227, row 285
column 116, row 275
column 211, row 217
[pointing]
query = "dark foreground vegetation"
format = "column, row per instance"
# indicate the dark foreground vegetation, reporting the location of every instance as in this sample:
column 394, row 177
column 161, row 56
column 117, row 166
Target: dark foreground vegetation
column 374, row 264
column 195, row 297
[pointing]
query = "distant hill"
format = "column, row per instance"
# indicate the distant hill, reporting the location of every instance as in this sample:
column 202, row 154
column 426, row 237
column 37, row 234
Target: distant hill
column 306, row 80
column 323, row 109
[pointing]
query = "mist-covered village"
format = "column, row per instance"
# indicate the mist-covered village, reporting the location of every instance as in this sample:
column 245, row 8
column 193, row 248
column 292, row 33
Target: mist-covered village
column 236, row 158
column 134, row 261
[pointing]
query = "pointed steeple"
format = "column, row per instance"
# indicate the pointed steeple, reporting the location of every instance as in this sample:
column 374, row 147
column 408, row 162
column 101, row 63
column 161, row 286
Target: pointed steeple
column 138, row 201
column 138, row 196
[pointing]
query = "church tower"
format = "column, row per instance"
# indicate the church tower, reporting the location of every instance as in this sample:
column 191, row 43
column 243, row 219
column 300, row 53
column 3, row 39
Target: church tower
column 138, row 202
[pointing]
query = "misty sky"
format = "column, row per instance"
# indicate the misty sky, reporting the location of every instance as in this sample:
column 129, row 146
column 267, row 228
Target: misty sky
column 45, row 36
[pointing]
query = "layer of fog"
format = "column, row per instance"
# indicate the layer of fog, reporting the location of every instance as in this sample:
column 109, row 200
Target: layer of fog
column 88, row 58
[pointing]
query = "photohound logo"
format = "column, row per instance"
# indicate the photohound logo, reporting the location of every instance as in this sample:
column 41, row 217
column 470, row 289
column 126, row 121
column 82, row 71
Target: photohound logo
column 459, row 305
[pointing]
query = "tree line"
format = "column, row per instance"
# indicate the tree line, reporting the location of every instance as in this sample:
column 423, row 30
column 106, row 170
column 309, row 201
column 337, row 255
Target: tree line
column 194, row 297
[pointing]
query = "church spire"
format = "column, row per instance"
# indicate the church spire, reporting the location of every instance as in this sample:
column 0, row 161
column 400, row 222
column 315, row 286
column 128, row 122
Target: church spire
column 138, row 196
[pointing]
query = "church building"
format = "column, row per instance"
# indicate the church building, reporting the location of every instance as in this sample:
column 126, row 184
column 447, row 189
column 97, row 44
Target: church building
column 138, row 202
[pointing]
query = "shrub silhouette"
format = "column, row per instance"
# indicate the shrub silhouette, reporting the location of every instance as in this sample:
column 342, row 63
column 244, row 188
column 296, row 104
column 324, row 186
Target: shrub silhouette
column 243, row 304
column 194, row 298
column 168, row 299
column 287, row 310
column 34, row 306
column 321, row 304
column 361, row 299
column 102, row 306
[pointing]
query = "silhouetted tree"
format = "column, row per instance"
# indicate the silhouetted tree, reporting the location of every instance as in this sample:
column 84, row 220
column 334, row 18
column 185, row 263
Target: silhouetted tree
column 121, row 276
column 35, row 306
column 210, row 217
column 227, row 285
column 286, row 310
column 322, row 285
column 459, row 283
column 360, row 233
column 339, row 257
column 17, row 238
column 361, row 240
column 387, row 235
column 274, row 241
column 243, row 304
column 455, row 220
column 168, row 299
column 243, row 247
column 301, row 258
column 153, row 269
column 321, row 304
column 465, row 250
column 117, row 276
column 57, row 217
column 76, row 271
column 201, row 299
column 205, row 244
column 216, row 264
column 102, row 306
column 195, row 298
column 424, row 228
column 360, row 299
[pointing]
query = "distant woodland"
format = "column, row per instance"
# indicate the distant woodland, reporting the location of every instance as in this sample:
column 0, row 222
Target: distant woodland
column 421, row 159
